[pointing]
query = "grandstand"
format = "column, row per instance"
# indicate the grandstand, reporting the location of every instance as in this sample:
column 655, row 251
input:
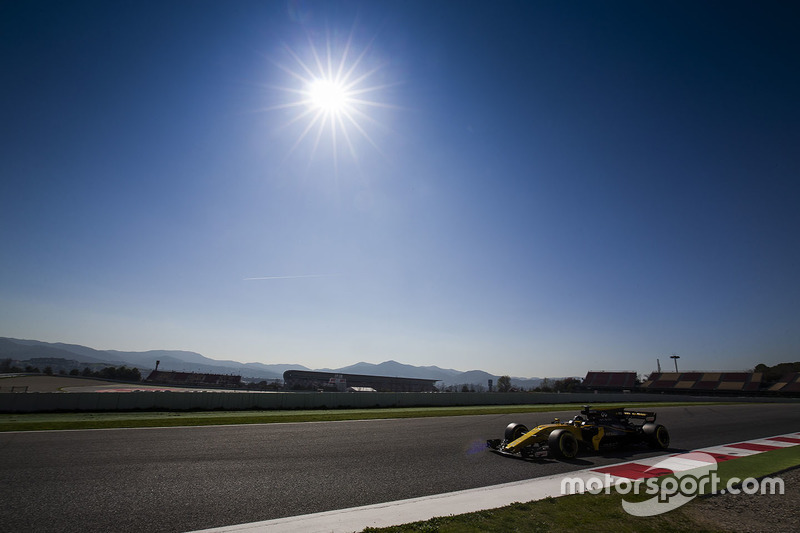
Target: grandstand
column 313, row 380
column 609, row 381
column 703, row 382
column 193, row 379
column 789, row 383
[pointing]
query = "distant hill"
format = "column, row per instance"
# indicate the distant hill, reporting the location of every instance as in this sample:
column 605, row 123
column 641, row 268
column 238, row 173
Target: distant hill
column 399, row 370
column 178, row 360
column 23, row 350
column 447, row 376
column 479, row 377
column 185, row 361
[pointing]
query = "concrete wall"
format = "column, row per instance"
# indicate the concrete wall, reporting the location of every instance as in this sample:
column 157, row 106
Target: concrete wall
column 176, row 401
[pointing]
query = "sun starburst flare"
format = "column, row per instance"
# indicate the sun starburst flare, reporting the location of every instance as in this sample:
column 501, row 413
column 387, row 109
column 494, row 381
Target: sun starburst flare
column 334, row 93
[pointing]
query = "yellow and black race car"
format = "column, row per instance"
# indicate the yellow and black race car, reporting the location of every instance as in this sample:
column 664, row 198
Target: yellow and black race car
column 593, row 429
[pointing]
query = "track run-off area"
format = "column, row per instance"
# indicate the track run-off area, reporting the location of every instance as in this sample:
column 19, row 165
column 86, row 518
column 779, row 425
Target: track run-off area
column 190, row 478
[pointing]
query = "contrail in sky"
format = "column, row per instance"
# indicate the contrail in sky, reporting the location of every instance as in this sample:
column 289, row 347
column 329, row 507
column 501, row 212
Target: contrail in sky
column 292, row 277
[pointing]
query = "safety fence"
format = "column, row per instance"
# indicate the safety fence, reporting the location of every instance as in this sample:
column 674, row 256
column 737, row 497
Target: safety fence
column 178, row 401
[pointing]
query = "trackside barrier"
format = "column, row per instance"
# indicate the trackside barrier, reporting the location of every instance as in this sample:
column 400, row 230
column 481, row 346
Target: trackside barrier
column 178, row 401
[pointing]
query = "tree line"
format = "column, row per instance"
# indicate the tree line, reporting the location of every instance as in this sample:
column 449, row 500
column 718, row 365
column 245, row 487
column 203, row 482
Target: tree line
column 547, row 385
column 121, row 373
column 504, row 385
column 776, row 372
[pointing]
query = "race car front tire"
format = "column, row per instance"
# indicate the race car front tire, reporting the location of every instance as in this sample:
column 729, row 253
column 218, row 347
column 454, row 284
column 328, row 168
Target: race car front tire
column 514, row 431
column 562, row 444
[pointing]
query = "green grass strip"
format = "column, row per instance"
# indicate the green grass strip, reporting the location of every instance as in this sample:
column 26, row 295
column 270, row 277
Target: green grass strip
column 760, row 465
column 601, row 512
column 108, row 420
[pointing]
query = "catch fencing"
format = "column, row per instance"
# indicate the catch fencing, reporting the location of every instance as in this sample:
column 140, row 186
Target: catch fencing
column 208, row 401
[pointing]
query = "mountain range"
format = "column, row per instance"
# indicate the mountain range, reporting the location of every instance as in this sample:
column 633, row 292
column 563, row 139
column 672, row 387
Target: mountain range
column 185, row 361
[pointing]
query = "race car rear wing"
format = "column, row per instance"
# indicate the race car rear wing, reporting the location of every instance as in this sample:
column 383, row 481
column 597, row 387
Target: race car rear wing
column 617, row 412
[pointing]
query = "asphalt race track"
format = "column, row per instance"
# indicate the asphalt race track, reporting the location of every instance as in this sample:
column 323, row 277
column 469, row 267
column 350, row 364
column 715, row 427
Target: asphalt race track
column 179, row 479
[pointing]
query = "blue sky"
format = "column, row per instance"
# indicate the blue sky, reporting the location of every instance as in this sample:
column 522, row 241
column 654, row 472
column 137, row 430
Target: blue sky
column 533, row 188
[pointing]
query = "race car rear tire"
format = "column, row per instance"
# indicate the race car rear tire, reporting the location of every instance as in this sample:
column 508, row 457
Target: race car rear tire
column 514, row 431
column 657, row 436
column 562, row 444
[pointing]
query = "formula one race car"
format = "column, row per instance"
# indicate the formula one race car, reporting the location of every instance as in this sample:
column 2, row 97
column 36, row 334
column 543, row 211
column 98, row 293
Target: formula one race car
column 593, row 429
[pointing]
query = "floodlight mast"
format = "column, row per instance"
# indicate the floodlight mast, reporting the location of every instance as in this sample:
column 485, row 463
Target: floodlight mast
column 675, row 358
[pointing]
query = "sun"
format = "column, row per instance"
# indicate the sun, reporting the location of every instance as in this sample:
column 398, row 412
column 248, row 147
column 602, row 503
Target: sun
column 333, row 93
column 328, row 96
